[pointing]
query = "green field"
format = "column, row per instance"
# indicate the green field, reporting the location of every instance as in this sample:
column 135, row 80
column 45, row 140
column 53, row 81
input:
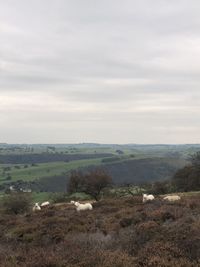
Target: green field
column 40, row 197
column 29, row 172
column 46, row 167
column 147, row 150
column 43, row 169
column 52, row 149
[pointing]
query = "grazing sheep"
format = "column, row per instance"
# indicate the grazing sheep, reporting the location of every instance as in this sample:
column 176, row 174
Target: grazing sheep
column 45, row 204
column 36, row 207
column 147, row 198
column 172, row 198
column 86, row 206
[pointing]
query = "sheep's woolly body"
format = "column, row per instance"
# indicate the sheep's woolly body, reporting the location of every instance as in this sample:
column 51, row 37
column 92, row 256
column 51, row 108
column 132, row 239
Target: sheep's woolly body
column 86, row 206
column 148, row 197
column 44, row 204
column 172, row 198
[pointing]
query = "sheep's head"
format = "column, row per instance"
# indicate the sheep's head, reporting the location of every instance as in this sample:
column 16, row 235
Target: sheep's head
column 72, row 202
column 37, row 206
column 76, row 204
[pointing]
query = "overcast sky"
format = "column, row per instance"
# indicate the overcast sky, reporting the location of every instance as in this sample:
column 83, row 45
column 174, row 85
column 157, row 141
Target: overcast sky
column 104, row 71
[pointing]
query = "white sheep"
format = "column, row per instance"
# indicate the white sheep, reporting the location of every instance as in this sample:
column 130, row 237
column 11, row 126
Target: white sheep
column 36, row 207
column 85, row 206
column 147, row 198
column 45, row 204
column 172, row 198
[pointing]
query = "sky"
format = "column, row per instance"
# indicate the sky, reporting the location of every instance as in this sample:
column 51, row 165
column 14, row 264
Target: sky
column 109, row 71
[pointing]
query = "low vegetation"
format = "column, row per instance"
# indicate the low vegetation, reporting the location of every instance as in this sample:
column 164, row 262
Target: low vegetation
column 16, row 203
column 118, row 232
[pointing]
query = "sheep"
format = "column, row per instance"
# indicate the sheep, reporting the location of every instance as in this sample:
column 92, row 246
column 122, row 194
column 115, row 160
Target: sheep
column 36, row 207
column 172, row 198
column 147, row 198
column 44, row 204
column 86, row 206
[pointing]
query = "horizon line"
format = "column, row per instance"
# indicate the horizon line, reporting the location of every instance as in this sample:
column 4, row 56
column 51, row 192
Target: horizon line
column 96, row 143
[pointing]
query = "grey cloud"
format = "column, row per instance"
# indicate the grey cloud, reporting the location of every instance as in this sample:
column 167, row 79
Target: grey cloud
column 107, row 60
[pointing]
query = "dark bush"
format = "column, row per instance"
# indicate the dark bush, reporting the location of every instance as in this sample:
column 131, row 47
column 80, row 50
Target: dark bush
column 188, row 178
column 17, row 203
column 159, row 254
column 59, row 197
column 126, row 222
column 160, row 188
column 91, row 183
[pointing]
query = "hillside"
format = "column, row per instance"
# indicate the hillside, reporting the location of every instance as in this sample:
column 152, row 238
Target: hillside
column 144, row 170
column 117, row 232
column 47, row 157
column 47, row 167
column 53, row 177
column 131, row 171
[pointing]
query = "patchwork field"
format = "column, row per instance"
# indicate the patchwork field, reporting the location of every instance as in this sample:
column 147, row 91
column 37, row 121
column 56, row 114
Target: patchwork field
column 47, row 167
column 39, row 170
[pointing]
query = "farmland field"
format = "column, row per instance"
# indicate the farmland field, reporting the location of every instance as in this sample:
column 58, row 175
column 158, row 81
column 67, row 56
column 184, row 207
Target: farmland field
column 43, row 169
column 50, row 165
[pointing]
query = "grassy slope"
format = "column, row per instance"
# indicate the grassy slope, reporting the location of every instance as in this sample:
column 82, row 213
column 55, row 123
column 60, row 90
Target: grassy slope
column 158, row 161
column 40, row 197
column 125, row 169
column 144, row 170
column 46, row 169
column 148, row 150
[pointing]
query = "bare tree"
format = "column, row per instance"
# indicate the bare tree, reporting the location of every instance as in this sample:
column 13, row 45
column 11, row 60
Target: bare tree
column 91, row 183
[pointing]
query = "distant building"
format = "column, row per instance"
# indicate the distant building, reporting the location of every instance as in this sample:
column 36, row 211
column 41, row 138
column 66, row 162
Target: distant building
column 12, row 188
column 120, row 152
column 25, row 190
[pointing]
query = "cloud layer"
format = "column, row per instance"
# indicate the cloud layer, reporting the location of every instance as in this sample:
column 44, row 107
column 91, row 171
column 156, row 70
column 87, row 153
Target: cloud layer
column 99, row 71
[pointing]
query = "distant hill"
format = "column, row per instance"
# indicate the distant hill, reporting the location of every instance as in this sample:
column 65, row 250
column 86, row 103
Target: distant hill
column 131, row 171
column 47, row 157
column 45, row 167
column 144, row 170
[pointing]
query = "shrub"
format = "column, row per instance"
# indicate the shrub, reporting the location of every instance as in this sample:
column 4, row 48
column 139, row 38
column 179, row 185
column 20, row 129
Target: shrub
column 91, row 183
column 17, row 203
column 116, row 233
column 187, row 179
column 125, row 222
column 9, row 177
column 160, row 187
column 59, row 197
column 162, row 255
column 111, row 159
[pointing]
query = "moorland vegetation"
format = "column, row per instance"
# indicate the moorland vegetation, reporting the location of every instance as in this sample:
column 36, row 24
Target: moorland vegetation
column 120, row 230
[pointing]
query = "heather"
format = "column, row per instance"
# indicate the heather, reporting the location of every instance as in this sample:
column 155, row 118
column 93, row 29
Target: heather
column 118, row 232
